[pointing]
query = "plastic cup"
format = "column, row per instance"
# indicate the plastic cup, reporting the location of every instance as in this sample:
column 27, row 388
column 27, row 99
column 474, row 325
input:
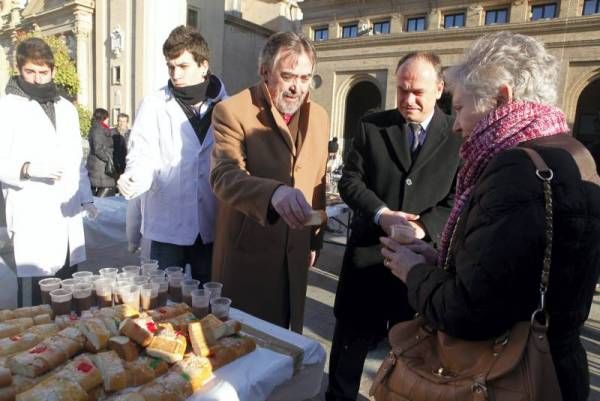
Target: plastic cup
column 61, row 301
column 130, row 294
column 110, row 272
column 200, row 302
column 157, row 273
column 163, row 289
column 83, row 276
column 220, row 307
column 175, row 279
column 173, row 269
column 149, row 295
column 117, row 294
column 124, row 276
column 187, row 286
column 139, row 280
column 47, row 285
column 135, row 270
column 82, row 297
column 214, row 288
column 144, row 260
column 148, row 268
column 69, row 283
column 104, row 292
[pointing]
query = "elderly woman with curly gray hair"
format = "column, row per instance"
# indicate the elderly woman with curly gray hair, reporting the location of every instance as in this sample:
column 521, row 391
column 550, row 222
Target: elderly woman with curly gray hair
column 493, row 244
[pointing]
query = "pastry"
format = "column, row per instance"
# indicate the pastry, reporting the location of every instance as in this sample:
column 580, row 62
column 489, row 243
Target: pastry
column 124, row 347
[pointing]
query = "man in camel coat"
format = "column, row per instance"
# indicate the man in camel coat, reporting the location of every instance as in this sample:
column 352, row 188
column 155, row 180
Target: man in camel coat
column 268, row 172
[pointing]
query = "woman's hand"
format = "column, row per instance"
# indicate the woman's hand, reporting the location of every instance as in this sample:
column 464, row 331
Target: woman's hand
column 425, row 249
column 400, row 259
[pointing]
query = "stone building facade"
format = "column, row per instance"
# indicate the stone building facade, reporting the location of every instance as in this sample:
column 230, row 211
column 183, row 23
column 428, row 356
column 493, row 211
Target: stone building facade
column 359, row 43
column 117, row 44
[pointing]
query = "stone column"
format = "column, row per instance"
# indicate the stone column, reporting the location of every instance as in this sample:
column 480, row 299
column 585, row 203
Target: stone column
column 434, row 22
column 83, row 44
column 396, row 25
column 474, row 15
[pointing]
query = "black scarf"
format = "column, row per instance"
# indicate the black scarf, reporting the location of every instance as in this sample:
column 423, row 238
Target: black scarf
column 194, row 94
column 43, row 93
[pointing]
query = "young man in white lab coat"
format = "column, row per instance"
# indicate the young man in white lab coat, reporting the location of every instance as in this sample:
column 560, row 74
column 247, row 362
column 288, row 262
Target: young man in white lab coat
column 44, row 182
column 169, row 158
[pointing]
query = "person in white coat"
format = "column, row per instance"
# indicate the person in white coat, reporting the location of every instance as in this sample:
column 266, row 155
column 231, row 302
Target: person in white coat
column 168, row 160
column 44, row 182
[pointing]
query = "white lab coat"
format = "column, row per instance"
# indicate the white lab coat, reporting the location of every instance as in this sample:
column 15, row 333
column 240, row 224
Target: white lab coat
column 172, row 168
column 43, row 218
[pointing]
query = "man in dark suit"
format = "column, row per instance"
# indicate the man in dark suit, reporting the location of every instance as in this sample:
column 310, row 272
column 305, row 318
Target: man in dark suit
column 400, row 170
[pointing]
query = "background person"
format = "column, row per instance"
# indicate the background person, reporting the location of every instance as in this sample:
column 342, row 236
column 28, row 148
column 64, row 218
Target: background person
column 503, row 93
column 44, row 182
column 120, row 137
column 268, row 172
column 100, row 163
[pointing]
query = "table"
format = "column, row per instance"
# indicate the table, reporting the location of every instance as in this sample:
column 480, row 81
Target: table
column 264, row 375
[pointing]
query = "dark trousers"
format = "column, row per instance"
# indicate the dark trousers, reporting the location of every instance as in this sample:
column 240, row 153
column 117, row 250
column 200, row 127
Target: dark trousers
column 198, row 255
column 36, row 294
column 349, row 350
column 103, row 192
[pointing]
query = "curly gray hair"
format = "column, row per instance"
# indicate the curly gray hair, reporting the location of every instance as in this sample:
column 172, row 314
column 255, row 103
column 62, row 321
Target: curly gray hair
column 500, row 58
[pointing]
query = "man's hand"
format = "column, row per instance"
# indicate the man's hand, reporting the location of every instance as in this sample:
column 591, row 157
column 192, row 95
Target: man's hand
column 91, row 211
column 128, row 187
column 390, row 217
column 291, row 205
column 48, row 170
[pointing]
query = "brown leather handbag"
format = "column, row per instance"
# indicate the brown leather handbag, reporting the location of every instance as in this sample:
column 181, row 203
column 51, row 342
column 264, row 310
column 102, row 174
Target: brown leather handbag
column 429, row 365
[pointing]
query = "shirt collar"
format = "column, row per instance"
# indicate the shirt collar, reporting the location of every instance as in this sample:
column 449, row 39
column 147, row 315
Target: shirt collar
column 425, row 123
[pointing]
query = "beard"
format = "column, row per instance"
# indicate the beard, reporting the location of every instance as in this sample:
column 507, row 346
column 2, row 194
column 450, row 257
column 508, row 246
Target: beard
column 286, row 105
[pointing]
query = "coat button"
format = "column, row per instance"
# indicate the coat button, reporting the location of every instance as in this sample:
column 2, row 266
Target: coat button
column 408, row 181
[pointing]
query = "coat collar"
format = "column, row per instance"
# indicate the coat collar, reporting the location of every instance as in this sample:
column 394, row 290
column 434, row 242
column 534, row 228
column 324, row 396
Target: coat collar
column 437, row 132
column 266, row 101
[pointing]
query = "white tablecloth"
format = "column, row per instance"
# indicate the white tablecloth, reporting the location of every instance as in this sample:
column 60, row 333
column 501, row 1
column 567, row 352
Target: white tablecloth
column 264, row 374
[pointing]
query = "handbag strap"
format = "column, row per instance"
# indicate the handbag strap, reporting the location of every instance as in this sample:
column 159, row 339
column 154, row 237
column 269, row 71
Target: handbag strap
column 545, row 174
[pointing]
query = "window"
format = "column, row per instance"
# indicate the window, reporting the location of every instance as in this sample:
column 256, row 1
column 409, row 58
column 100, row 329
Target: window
column 192, row 18
column 415, row 24
column 496, row 16
column 591, row 7
column 116, row 75
column 350, row 31
column 541, row 11
column 381, row 27
column 454, row 20
column 321, row 34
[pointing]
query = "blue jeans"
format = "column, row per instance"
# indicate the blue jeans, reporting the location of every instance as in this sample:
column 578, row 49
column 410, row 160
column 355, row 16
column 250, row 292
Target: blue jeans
column 198, row 255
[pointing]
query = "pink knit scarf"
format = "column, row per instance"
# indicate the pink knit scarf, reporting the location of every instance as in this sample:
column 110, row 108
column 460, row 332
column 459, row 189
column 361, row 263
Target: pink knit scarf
column 503, row 128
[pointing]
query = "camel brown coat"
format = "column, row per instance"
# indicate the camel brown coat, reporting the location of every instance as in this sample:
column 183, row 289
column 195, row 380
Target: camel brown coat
column 262, row 263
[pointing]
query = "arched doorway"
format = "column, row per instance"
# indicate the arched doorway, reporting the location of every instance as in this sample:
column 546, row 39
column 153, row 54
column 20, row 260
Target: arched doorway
column 363, row 98
column 587, row 118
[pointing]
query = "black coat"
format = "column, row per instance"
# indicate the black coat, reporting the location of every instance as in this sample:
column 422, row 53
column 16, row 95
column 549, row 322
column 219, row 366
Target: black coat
column 119, row 152
column 379, row 172
column 101, row 153
column 494, row 274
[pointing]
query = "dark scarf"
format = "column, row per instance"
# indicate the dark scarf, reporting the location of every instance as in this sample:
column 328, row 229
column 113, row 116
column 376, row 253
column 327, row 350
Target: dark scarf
column 195, row 94
column 43, row 93
column 46, row 94
column 502, row 128
column 188, row 96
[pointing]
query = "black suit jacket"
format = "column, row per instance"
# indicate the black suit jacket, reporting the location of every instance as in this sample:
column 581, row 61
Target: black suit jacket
column 379, row 172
